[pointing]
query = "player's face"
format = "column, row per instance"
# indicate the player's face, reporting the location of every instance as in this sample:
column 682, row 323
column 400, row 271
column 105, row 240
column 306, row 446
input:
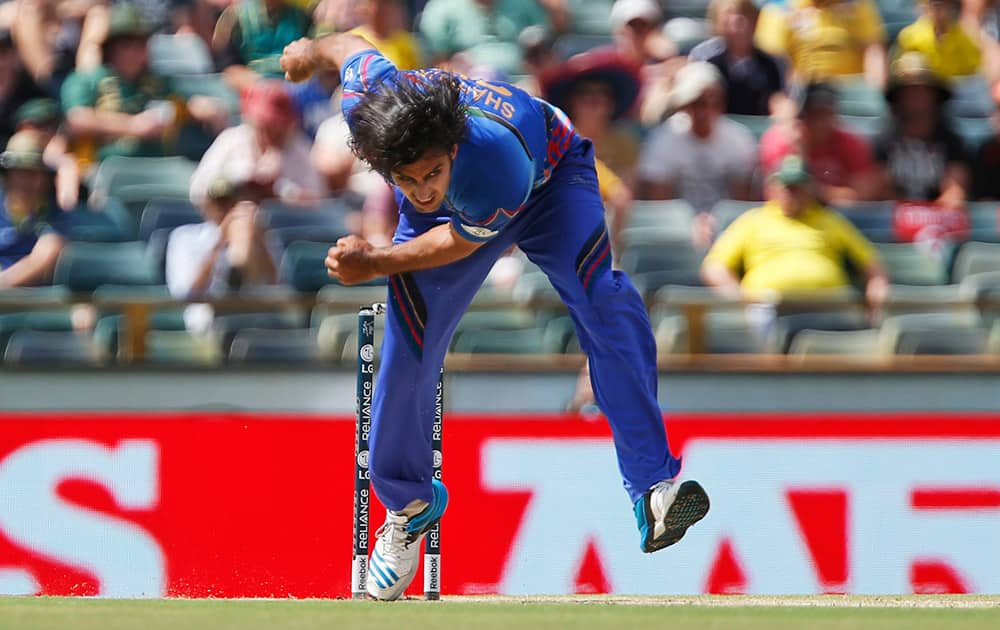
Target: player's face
column 425, row 182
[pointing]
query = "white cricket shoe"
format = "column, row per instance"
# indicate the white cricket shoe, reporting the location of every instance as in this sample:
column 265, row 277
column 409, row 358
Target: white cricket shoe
column 397, row 551
column 667, row 510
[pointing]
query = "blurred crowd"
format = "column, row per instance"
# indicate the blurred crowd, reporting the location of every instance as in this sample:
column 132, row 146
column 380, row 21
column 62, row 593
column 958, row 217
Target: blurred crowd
column 789, row 107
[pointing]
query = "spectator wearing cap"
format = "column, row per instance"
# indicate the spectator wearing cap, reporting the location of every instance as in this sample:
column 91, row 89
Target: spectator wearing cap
column 267, row 153
column 16, row 86
column 43, row 117
column 840, row 160
column 225, row 253
column 791, row 244
column 753, row 77
column 487, row 30
column 697, row 154
column 637, row 28
column 122, row 107
column 986, row 166
column 32, row 230
column 538, row 56
column 251, row 35
column 939, row 36
column 826, row 39
column 924, row 159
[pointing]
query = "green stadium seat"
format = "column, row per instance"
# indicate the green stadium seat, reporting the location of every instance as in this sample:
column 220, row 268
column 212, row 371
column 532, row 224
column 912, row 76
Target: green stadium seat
column 970, row 98
column 906, row 299
column 483, row 341
column 863, row 342
column 787, row 327
column 904, row 331
column 167, row 213
column 181, row 348
column 983, row 216
column 657, row 221
column 678, row 255
column 133, row 178
column 274, row 346
column 958, row 341
column 60, row 320
column 727, row 210
column 331, row 214
column 534, row 285
column 974, row 258
column 973, row 131
column 857, row 98
column 572, row 44
column 908, row 264
column 180, row 53
column 86, row 266
column 34, row 347
column 726, row 332
column 867, row 127
column 591, row 16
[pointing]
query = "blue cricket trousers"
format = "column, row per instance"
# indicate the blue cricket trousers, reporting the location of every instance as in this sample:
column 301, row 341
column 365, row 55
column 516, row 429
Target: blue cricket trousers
column 562, row 230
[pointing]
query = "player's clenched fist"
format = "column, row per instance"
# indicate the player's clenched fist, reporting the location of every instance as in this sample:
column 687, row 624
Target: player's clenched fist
column 298, row 60
column 350, row 260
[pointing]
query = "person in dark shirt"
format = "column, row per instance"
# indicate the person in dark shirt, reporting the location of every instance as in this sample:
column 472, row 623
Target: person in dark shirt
column 16, row 86
column 985, row 183
column 924, row 159
column 753, row 77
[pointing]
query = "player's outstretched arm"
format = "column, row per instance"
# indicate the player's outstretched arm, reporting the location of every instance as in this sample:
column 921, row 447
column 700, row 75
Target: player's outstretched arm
column 354, row 260
column 303, row 57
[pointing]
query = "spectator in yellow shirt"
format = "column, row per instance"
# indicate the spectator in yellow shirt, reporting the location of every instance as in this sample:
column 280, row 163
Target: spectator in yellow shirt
column 939, row 35
column 383, row 23
column 791, row 244
column 825, row 39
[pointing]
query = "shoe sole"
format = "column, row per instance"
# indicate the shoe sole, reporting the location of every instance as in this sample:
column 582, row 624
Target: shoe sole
column 690, row 506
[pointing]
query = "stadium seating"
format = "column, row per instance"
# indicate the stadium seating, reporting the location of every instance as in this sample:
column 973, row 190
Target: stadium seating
column 974, row 258
column 31, row 347
column 908, row 264
column 166, row 214
column 181, row 348
column 726, row 211
column 181, row 53
column 658, row 221
column 860, row 342
column 983, row 218
column 756, row 124
column 857, row 98
column 86, row 266
column 254, row 345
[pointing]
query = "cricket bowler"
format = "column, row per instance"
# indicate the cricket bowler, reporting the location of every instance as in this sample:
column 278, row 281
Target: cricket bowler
column 477, row 167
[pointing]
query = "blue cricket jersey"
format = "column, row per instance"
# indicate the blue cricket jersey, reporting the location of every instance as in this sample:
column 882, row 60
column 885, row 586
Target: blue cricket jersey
column 513, row 142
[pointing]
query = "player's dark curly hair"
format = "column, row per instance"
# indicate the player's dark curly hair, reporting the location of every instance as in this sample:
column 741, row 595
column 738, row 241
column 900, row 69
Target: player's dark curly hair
column 396, row 123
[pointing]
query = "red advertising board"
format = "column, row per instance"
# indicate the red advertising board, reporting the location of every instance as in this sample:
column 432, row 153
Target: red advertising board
column 244, row 505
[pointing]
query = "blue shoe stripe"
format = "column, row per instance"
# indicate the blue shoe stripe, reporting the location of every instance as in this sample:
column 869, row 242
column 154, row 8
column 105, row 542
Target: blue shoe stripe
column 380, row 575
column 385, row 567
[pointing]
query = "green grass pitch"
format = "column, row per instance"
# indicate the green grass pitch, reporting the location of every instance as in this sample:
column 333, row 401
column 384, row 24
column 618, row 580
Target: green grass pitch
column 508, row 613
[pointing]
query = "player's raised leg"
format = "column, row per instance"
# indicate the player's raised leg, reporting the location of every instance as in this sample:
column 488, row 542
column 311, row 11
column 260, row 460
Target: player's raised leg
column 565, row 234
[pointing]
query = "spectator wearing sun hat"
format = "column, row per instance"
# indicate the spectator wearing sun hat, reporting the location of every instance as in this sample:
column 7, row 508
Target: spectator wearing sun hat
column 43, row 116
column 32, row 230
column 924, row 159
column 598, row 90
column 267, row 151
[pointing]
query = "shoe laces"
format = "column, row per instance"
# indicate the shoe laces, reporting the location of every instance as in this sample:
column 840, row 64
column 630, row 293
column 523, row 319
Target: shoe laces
column 394, row 534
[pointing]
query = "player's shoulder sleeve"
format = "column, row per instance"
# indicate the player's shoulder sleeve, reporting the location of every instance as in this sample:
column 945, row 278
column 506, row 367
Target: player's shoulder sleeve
column 360, row 73
column 493, row 178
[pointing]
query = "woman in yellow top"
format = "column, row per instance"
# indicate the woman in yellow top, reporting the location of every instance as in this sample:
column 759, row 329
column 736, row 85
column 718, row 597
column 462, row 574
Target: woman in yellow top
column 826, row 39
column 942, row 39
